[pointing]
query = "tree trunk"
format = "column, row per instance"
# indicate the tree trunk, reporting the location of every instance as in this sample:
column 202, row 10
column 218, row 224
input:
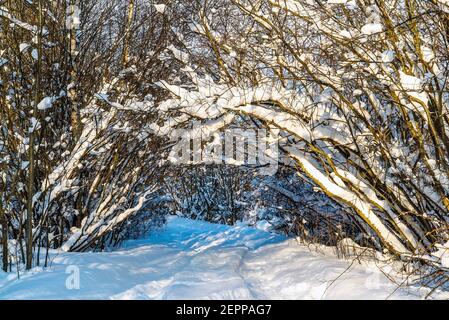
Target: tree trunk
column 5, row 252
column 72, row 93
column 31, row 152
column 127, row 37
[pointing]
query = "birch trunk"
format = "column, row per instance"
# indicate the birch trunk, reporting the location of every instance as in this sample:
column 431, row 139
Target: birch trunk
column 127, row 37
column 72, row 94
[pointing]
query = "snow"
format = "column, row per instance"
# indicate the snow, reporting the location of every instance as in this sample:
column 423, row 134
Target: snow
column 198, row 260
column 372, row 28
column 345, row 33
column 35, row 54
column 160, row 8
column 410, row 83
column 387, row 56
column 442, row 254
column 346, row 195
column 45, row 104
column 264, row 225
column 428, row 54
column 35, row 125
column 103, row 226
column 23, row 46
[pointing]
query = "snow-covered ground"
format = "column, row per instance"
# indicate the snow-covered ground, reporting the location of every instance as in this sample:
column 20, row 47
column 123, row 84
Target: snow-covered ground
column 198, row 260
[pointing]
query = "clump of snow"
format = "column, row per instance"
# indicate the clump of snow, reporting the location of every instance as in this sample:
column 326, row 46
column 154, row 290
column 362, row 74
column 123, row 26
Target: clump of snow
column 45, row 103
column 160, row 8
column 264, row 225
column 410, row 82
column 387, row 56
column 35, row 54
column 35, row 125
column 372, row 28
column 23, row 46
column 428, row 54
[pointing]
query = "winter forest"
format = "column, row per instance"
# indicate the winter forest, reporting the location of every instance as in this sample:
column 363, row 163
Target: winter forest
column 177, row 147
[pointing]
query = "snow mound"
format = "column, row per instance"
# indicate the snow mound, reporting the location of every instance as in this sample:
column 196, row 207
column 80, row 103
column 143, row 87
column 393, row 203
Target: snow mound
column 198, row 260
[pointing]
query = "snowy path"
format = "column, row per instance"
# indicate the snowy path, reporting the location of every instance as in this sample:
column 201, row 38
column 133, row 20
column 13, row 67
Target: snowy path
column 198, row 260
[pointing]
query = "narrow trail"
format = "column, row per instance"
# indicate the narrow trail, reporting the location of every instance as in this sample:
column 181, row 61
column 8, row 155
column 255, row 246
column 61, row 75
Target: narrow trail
column 198, row 260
